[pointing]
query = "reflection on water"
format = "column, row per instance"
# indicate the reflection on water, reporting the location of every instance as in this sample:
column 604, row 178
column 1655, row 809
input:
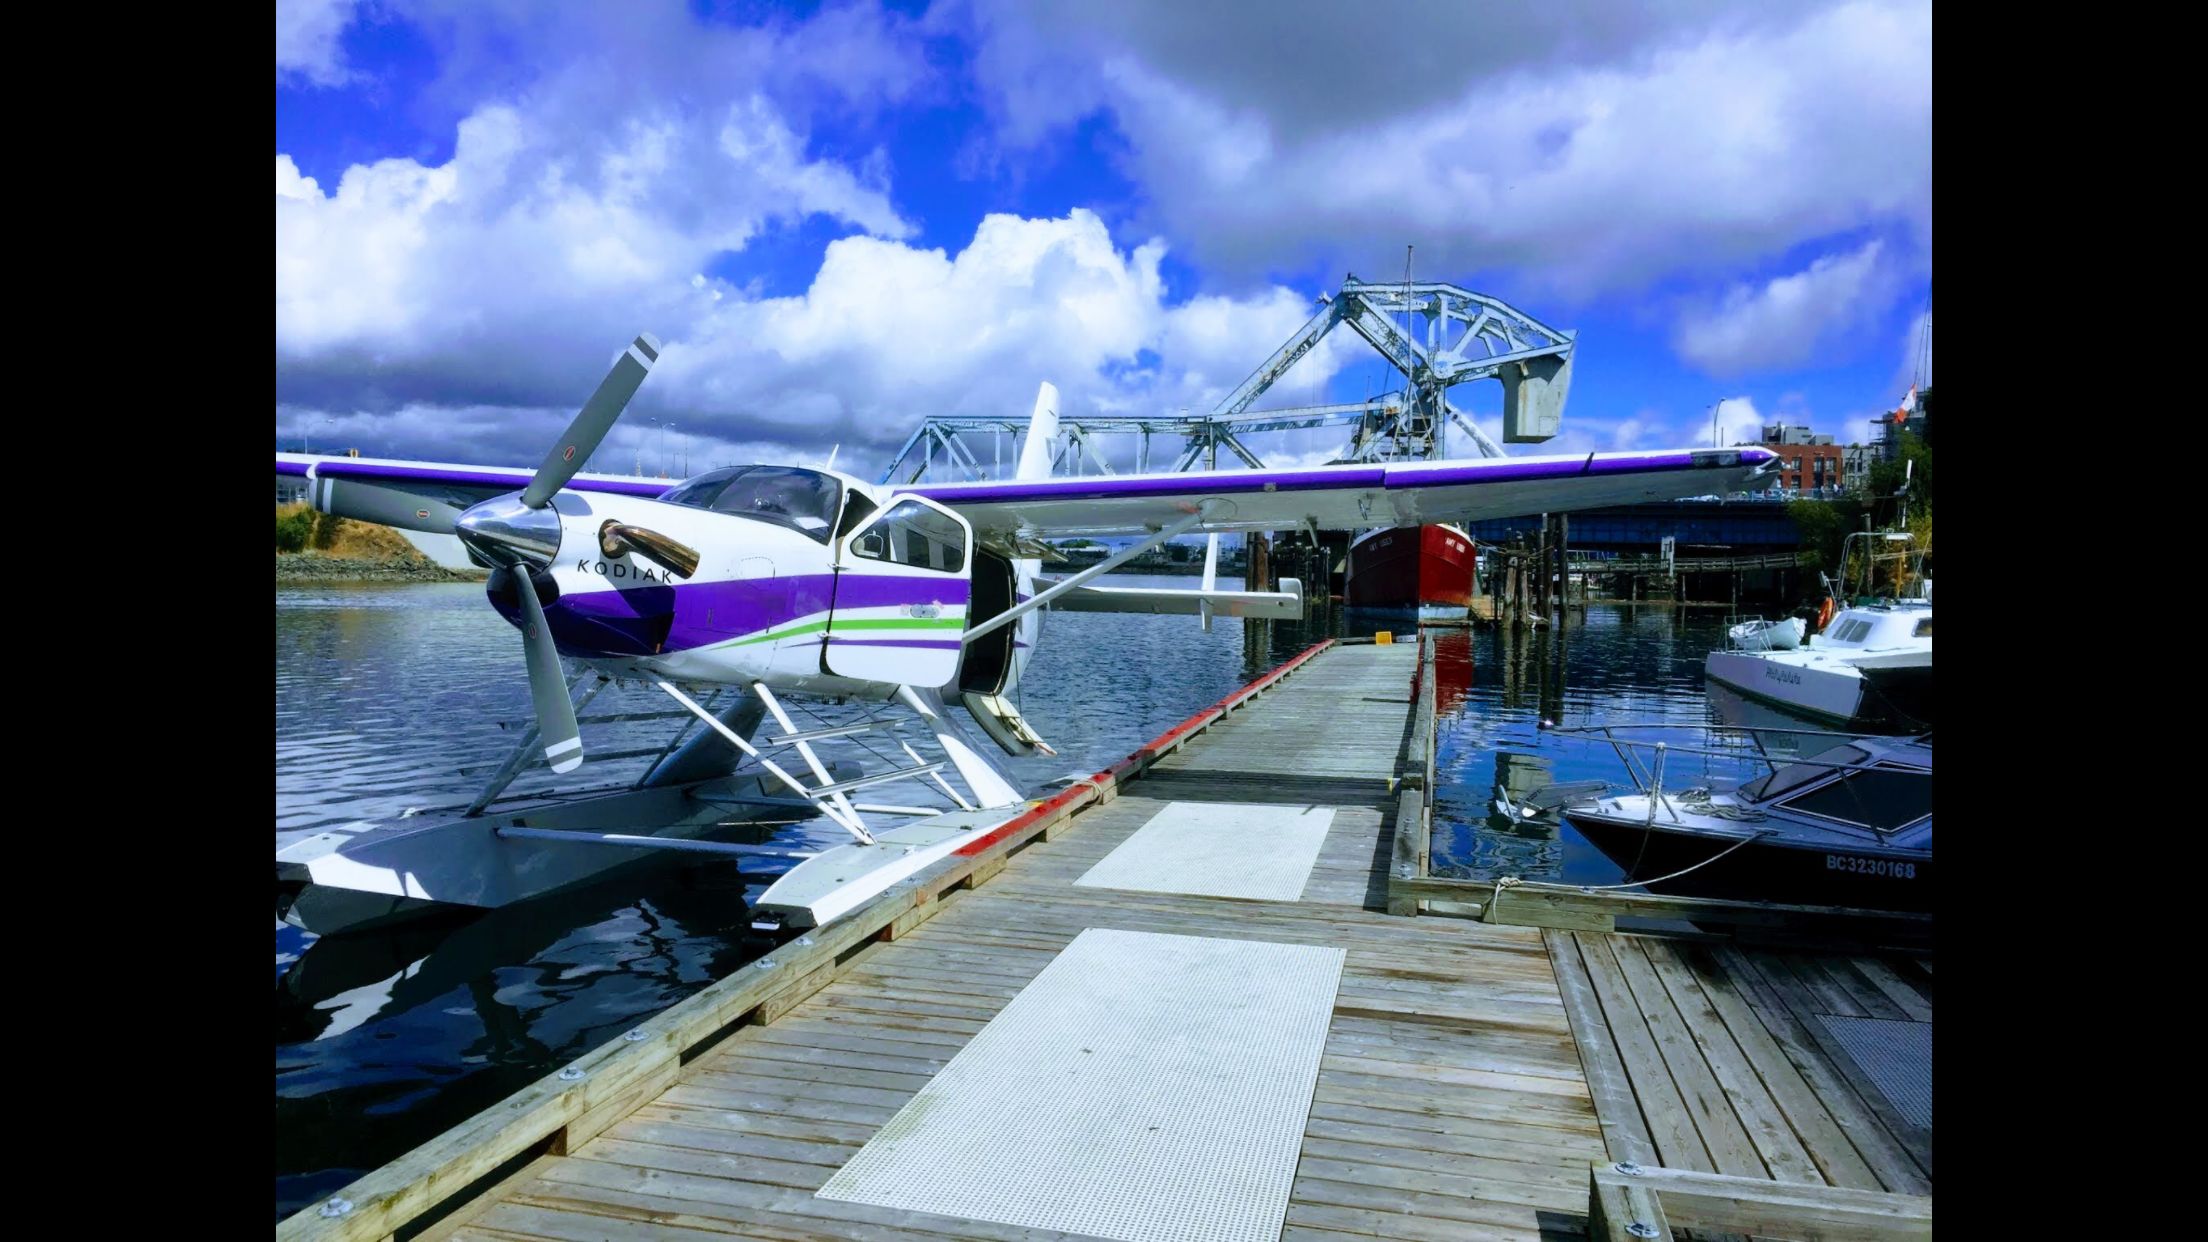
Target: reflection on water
column 388, row 699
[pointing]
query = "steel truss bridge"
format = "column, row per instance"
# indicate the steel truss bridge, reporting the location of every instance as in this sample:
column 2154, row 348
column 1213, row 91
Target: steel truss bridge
column 1455, row 336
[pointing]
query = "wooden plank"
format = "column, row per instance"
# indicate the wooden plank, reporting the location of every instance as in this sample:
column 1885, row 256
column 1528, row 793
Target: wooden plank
column 740, row 1201
column 1758, row 1113
column 1826, row 1139
column 1409, row 829
column 1677, row 1141
column 1868, row 1119
column 451, row 1225
column 1373, row 1223
column 1809, row 979
column 1913, row 1004
column 1867, row 996
column 1623, row 1130
column 592, row 1123
column 1705, row 1101
column 1461, row 1211
column 1486, row 1140
column 1516, row 906
column 1778, row 1209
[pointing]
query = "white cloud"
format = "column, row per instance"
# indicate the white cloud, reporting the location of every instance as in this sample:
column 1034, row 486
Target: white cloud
column 1737, row 421
column 1787, row 321
column 1608, row 151
column 885, row 334
column 505, row 271
column 307, row 35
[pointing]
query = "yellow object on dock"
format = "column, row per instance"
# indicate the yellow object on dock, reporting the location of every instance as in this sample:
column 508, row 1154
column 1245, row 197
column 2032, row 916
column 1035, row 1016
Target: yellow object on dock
column 1384, row 638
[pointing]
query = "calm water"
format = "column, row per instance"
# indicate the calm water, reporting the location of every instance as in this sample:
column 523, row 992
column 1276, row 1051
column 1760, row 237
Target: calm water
column 387, row 698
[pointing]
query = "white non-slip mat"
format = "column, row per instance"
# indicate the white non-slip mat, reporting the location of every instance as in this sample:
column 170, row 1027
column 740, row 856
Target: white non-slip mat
column 1142, row 1087
column 1218, row 849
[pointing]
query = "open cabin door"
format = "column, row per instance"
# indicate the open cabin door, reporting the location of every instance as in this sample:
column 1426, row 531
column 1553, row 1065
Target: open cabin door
column 904, row 580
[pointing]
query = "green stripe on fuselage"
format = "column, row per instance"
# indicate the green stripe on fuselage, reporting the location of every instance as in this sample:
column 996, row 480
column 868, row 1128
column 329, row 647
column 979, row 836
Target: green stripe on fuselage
column 849, row 623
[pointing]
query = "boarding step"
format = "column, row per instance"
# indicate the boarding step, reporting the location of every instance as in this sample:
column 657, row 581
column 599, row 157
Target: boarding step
column 814, row 735
column 879, row 778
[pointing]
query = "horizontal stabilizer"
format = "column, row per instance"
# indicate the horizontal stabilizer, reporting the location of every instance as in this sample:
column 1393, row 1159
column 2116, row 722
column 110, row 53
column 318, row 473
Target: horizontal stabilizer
column 1285, row 604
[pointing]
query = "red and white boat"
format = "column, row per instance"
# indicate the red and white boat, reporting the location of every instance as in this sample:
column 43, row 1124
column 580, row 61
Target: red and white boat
column 1424, row 571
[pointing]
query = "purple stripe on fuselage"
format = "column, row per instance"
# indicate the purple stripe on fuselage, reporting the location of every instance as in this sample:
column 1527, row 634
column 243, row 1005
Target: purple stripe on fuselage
column 297, row 469
column 650, row 619
column 504, row 480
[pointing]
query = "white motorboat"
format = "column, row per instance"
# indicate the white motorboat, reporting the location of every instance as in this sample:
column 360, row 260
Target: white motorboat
column 1871, row 663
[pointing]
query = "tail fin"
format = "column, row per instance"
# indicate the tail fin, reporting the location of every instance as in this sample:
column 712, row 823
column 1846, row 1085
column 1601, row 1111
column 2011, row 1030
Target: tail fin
column 1042, row 432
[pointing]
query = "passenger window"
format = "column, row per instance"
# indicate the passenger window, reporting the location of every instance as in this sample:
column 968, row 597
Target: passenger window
column 911, row 533
column 1924, row 628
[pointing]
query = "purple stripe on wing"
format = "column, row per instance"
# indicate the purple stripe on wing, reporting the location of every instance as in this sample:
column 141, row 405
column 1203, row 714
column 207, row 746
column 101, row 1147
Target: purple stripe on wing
column 505, row 480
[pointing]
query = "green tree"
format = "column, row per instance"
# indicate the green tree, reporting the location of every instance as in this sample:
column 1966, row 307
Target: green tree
column 1824, row 525
column 293, row 529
column 1914, row 464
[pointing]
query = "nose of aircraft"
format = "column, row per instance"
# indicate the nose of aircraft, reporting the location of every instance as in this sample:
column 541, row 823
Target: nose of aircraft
column 504, row 531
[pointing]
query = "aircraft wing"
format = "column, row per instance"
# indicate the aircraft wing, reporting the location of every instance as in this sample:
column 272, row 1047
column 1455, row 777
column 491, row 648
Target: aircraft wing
column 425, row 495
column 1347, row 497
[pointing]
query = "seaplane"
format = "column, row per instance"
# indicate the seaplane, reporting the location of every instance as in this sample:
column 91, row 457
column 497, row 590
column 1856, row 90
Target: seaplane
column 743, row 590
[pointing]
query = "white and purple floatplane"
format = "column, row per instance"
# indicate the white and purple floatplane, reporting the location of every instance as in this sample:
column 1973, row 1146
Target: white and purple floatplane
column 764, row 581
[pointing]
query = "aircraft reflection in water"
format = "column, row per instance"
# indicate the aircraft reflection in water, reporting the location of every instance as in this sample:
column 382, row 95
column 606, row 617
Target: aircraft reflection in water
column 528, row 983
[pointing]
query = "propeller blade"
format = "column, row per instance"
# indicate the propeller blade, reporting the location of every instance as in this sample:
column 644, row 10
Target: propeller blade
column 591, row 425
column 678, row 559
column 556, row 727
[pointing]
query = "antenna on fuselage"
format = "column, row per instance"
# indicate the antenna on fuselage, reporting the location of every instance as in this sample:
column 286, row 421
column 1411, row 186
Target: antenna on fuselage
column 832, row 456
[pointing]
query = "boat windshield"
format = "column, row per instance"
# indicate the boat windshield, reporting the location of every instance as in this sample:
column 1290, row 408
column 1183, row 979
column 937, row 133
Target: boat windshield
column 803, row 500
column 1796, row 775
column 1880, row 798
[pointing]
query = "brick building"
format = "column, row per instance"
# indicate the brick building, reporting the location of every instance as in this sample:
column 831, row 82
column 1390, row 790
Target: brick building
column 1807, row 461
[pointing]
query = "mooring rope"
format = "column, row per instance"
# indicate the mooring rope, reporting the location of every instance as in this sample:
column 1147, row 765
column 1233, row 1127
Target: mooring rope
column 1512, row 881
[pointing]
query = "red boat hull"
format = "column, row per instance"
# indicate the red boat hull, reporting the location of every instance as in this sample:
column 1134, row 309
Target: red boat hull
column 1426, row 570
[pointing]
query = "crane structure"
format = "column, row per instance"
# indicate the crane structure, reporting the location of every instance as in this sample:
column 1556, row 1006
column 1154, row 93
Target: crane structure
column 1465, row 336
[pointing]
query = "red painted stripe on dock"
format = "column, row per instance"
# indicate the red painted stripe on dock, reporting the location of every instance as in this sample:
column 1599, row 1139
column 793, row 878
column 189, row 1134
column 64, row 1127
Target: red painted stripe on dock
column 1063, row 799
column 1070, row 799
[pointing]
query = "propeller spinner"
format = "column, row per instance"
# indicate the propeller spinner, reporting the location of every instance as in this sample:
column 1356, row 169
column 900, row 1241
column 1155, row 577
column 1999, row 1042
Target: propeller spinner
column 521, row 532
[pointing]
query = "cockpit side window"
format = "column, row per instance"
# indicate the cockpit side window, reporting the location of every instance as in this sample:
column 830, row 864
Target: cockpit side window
column 699, row 493
column 803, row 500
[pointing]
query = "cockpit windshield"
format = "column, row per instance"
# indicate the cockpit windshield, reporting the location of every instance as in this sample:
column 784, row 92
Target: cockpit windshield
column 803, row 500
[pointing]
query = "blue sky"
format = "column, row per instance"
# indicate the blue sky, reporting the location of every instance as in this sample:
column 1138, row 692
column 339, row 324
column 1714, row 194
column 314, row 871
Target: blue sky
column 841, row 217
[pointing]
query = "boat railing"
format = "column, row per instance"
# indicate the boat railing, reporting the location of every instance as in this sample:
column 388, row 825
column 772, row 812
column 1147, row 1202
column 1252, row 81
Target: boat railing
column 1645, row 759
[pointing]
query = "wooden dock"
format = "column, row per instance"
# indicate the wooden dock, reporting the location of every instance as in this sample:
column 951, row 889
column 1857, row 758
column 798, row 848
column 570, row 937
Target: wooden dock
column 1478, row 1080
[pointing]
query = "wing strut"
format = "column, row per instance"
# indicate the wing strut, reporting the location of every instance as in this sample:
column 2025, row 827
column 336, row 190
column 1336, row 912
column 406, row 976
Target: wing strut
column 1109, row 563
